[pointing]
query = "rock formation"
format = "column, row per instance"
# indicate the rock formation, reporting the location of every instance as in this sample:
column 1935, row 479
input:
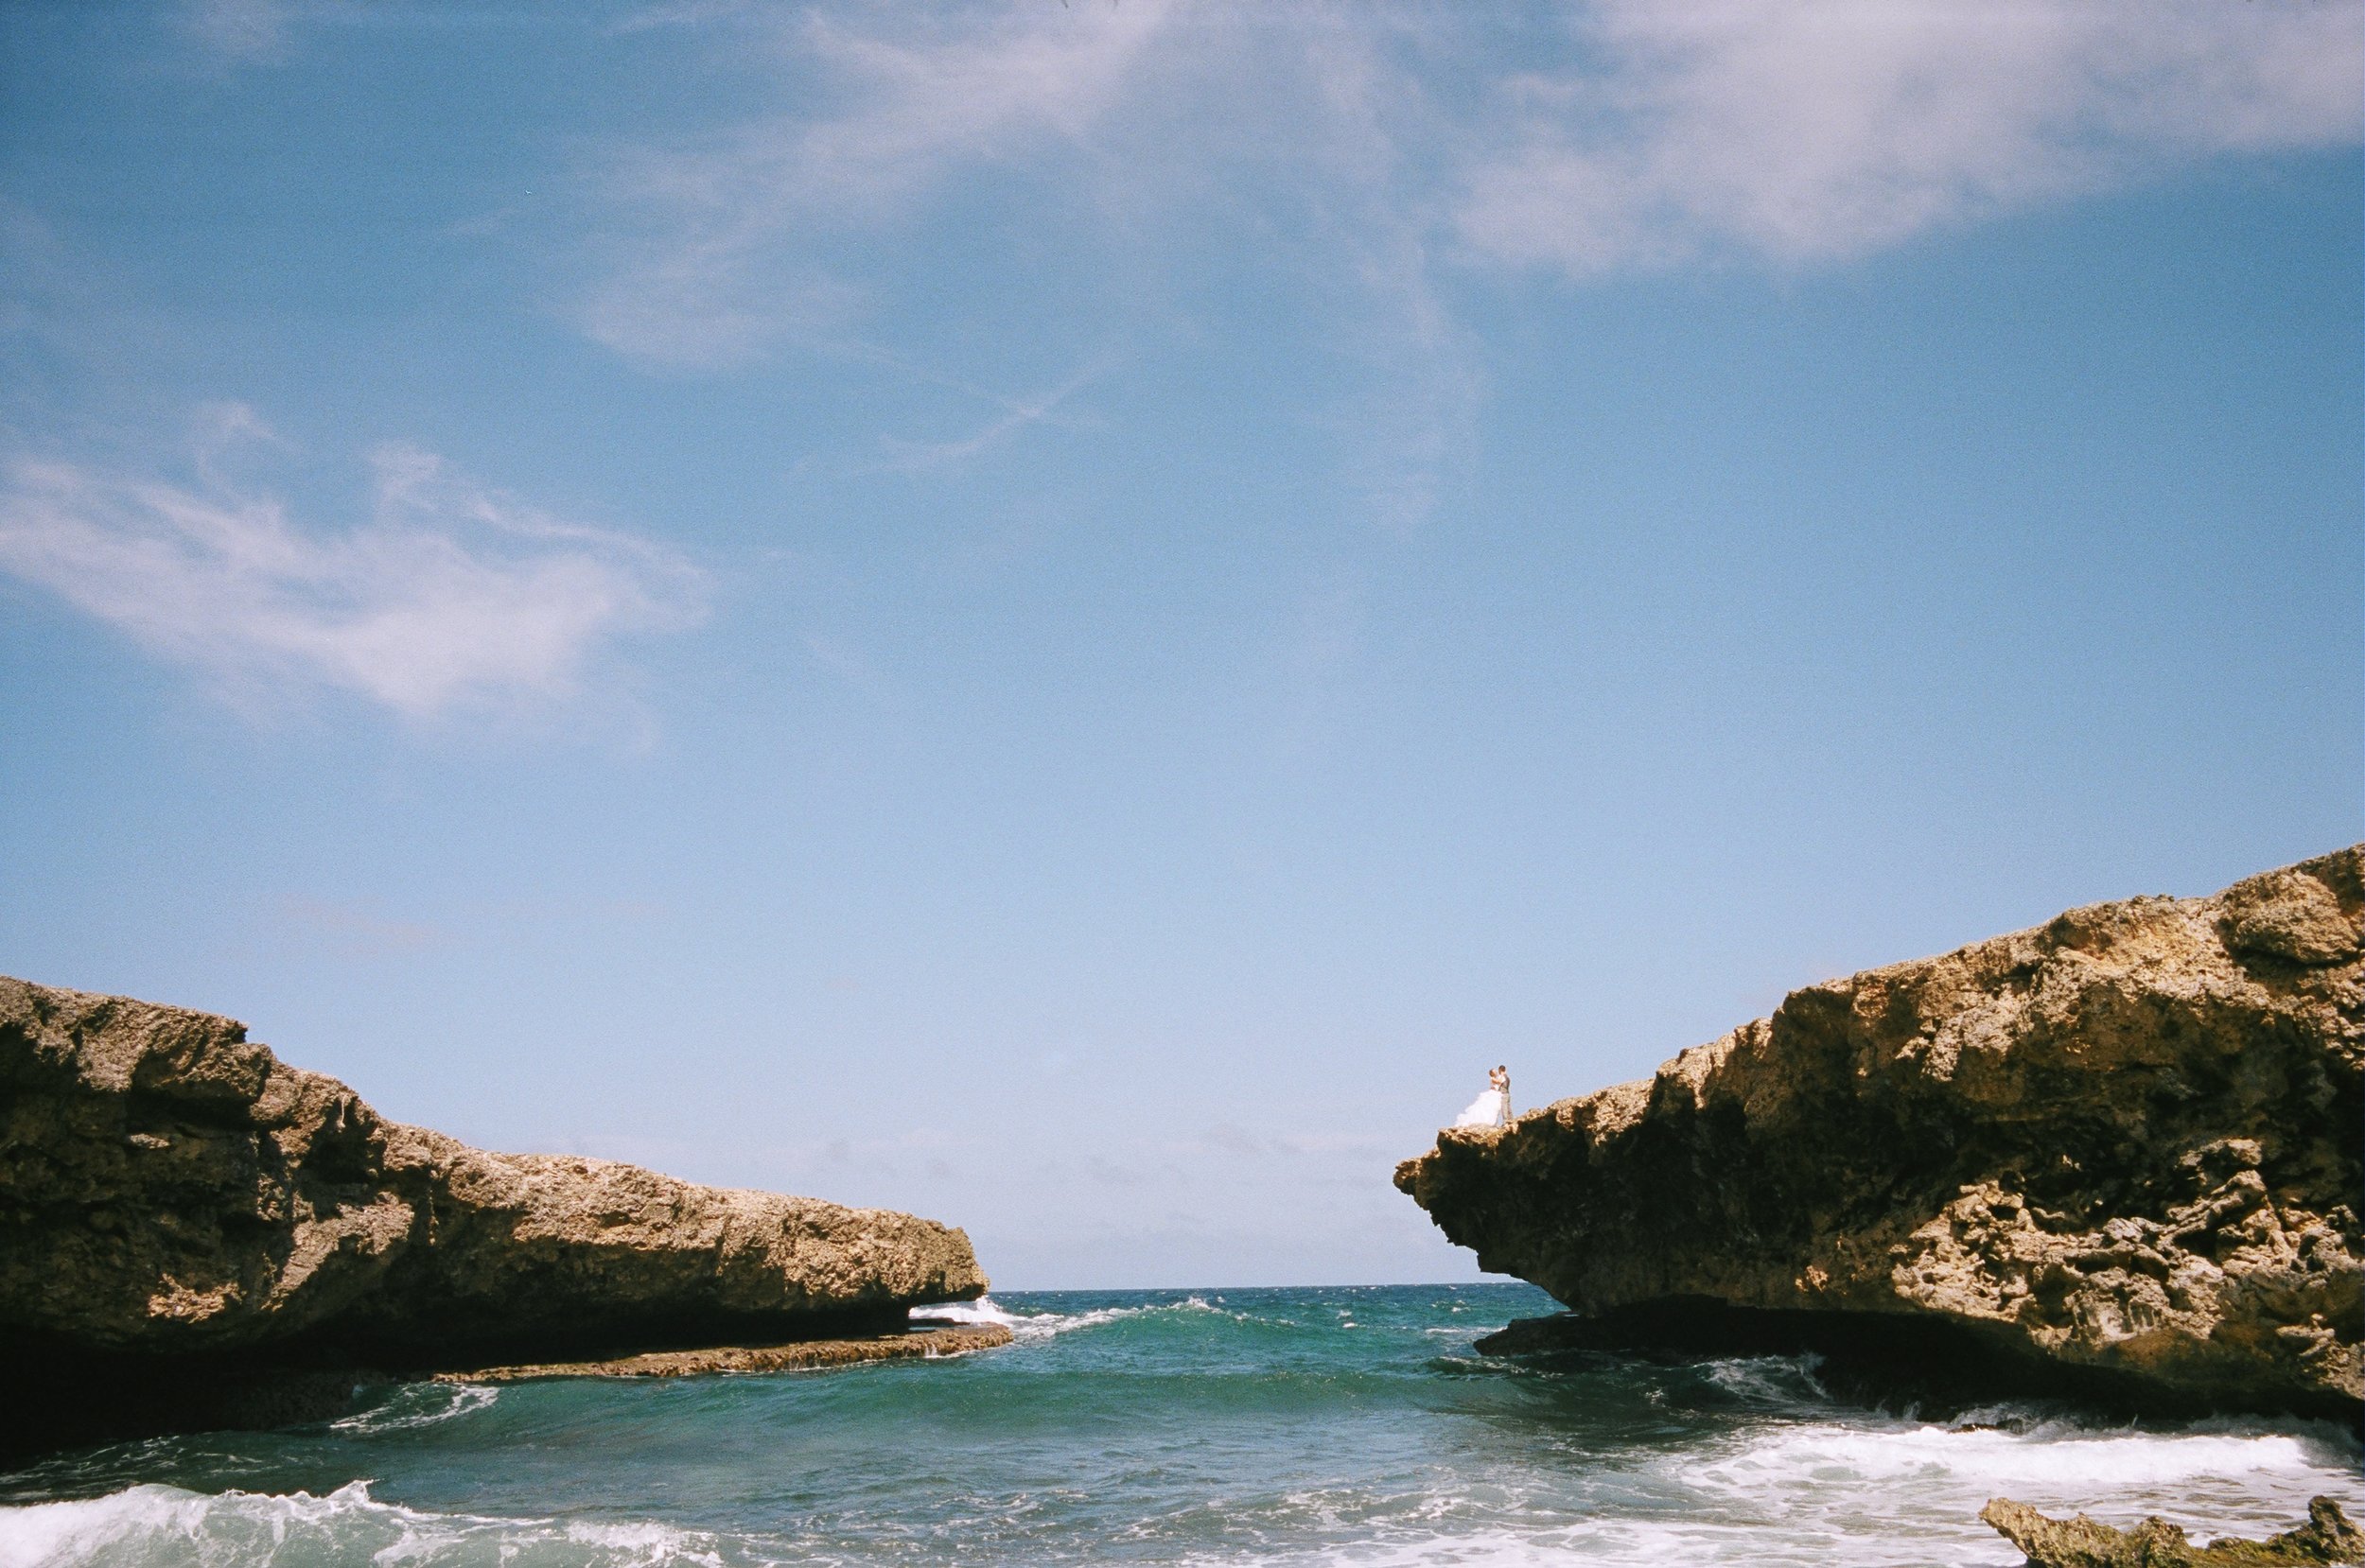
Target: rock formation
column 185, row 1220
column 2081, row 1543
column 2121, row 1151
column 918, row 1344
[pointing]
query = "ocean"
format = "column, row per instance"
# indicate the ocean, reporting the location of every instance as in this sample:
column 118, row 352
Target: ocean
column 1303, row 1426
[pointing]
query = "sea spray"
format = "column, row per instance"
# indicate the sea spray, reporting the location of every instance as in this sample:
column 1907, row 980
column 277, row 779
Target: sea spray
column 1203, row 1428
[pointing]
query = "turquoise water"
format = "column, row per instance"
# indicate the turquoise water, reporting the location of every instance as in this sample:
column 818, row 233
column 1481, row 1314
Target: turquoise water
column 1238, row 1426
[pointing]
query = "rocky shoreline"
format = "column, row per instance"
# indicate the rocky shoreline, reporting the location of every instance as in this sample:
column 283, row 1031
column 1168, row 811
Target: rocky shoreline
column 195, row 1234
column 917, row 1344
column 2328, row 1537
column 2118, row 1156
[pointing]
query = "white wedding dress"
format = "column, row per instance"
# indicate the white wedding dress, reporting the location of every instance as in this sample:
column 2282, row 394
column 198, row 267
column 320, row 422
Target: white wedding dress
column 1490, row 1109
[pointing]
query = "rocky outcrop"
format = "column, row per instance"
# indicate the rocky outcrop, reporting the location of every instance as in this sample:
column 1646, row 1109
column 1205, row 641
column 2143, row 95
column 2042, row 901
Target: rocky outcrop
column 179, row 1210
column 2081, row 1543
column 2124, row 1145
column 797, row 1356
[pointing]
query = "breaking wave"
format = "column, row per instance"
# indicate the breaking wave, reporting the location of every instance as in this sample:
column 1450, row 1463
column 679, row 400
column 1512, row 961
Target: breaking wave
column 162, row 1526
column 1216, row 1429
column 411, row 1405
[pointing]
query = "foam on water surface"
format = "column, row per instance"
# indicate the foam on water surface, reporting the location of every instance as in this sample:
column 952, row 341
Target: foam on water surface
column 417, row 1404
column 1331, row 1428
column 160, row 1526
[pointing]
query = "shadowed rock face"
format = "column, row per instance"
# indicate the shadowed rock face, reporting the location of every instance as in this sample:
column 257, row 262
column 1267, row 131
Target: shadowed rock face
column 173, row 1196
column 2126, row 1141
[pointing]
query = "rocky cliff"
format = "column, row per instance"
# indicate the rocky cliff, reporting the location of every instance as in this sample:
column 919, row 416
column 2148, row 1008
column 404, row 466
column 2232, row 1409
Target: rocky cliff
column 186, row 1222
column 2122, row 1150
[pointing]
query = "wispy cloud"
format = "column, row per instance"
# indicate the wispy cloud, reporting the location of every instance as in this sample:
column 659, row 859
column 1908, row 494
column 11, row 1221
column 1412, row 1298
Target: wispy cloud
column 1015, row 414
column 1131, row 117
column 240, row 29
column 1384, row 157
column 714, row 269
column 1804, row 134
column 442, row 594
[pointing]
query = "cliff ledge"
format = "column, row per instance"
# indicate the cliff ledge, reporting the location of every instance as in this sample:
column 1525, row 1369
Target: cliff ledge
column 2121, row 1149
column 193, row 1232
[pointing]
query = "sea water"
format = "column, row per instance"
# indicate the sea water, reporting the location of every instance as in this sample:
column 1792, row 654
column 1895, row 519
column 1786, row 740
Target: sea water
column 1310, row 1426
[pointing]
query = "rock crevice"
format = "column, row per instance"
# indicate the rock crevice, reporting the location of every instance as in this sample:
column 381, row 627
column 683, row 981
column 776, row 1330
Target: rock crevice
column 2126, row 1141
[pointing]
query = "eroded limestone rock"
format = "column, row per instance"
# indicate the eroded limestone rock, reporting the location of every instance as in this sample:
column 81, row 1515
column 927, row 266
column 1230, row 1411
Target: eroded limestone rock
column 797, row 1356
column 2082, row 1542
column 2128, row 1141
column 173, row 1196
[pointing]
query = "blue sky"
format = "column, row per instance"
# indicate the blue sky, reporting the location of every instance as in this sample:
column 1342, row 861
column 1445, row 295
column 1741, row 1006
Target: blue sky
column 1071, row 616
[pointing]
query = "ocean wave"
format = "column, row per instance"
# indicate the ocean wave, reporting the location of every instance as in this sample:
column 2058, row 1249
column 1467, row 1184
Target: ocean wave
column 1777, row 1380
column 1929, row 1481
column 411, row 1405
column 160, row 1526
column 982, row 1310
column 1619, row 1543
column 2062, row 1458
column 1036, row 1326
column 1212, row 1430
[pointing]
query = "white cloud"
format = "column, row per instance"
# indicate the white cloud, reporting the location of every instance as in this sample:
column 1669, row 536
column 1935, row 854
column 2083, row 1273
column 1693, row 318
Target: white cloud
column 445, row 595
column 1806, row 132
column 1138, row 119
column 1789, row 130
column 1373, row 158
column 710, row 273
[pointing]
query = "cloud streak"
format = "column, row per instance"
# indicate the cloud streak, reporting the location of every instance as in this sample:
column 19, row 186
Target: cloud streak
column 1136, row 123
column 1799, row 134
column 1016, row 414
column 444, row 596
column 715, row 270
column 1385, row 158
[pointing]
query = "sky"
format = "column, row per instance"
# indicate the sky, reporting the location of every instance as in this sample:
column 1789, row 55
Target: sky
column 1070, row 617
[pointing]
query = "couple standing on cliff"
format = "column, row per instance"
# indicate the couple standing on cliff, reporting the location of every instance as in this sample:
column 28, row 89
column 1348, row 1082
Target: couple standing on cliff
column 1492, row 1109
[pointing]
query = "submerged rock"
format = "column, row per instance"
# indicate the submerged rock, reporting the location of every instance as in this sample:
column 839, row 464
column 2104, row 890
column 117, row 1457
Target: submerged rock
column 2121, row 1151
column 189, row 1226
column 2081, row 1543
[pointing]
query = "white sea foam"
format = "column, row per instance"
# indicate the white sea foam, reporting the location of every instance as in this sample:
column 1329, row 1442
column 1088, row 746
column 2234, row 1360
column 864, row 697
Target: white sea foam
column 412, row 1405
column 159, row 1526
column 1773, row 1473
column 982, row 1310
column 1854, row 1496
column 1928, row 1482
column 1832, row 1496
column 1622, row 1544
column 1044, row 1325
column 1038, row 1326
column 2063, row 1459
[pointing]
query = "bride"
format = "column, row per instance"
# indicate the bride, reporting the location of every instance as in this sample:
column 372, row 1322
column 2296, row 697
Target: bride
column 1492, row 1109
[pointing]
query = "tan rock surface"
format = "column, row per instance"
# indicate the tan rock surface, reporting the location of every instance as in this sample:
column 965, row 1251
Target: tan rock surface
column 170, row 1191
column 2127, row 1140
column 798, row 1355
column 2082, row 1542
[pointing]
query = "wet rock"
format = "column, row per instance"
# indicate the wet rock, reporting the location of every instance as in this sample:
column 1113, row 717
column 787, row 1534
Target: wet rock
column 2124, row 1145
column 187, row 1223
column 799, row 1355
column 2081, row 1543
